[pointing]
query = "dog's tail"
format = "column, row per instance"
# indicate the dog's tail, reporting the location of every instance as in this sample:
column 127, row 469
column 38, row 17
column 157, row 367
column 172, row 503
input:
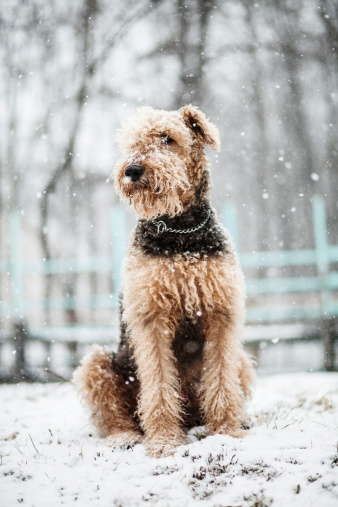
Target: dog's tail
column 95, row 381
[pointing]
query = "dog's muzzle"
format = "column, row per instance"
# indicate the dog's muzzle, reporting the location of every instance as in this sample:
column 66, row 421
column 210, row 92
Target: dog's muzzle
column 134, row 172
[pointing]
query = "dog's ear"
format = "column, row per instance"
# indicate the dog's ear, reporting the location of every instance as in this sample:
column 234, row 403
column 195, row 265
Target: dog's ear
column 201, row 126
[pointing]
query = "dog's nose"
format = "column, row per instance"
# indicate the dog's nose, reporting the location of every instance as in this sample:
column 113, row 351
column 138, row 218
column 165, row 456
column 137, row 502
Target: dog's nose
column 134, row 172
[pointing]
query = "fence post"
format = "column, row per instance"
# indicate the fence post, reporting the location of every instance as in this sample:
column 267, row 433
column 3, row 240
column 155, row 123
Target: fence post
column 229, row 220
column 20, row 337
column 16, row 265
column 322, row 261
column 118, row 247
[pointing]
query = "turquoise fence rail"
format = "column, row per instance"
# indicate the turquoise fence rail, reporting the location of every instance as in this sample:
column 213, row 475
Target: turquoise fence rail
column 323, row 258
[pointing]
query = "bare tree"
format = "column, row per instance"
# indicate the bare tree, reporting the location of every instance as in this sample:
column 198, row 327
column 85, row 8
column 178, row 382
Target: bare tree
column 89, row 60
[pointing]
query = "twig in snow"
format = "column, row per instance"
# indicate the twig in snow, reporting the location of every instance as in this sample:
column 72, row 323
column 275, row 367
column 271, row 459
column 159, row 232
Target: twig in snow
column 33, row 444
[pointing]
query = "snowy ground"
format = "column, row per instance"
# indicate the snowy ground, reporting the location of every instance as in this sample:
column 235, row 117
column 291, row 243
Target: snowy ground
column 50, row 456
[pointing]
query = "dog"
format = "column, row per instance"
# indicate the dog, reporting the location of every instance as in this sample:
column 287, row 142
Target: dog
column 180, row 362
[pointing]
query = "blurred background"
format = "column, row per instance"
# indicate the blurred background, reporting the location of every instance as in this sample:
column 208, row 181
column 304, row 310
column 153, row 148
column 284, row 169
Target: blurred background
column 266, row 73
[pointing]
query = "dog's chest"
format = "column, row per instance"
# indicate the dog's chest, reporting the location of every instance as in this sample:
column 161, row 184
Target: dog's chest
column 183, row 285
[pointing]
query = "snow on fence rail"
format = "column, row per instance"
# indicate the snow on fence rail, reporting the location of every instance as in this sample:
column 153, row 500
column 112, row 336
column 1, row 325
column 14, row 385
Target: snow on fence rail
column 310, row 300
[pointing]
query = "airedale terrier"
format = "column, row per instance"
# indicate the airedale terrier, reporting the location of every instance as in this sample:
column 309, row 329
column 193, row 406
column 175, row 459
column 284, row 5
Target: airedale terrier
column 180, row 361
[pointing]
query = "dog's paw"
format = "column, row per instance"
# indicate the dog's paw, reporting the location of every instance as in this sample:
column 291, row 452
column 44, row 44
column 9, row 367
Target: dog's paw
column 123, row 439
column 232, row 432
column 161, row 447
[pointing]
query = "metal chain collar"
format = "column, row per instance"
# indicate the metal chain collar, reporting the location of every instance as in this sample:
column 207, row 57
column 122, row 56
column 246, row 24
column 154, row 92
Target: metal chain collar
column 162, row 227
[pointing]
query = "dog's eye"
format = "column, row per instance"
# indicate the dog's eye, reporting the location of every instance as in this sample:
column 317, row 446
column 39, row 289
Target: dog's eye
column 167, row 140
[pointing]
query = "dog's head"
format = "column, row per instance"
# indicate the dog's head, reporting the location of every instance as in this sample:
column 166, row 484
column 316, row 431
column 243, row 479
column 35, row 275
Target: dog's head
column 164, row 169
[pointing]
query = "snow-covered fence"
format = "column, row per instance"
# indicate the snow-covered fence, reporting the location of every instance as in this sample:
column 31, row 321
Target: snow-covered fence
column 20, row 303
column 304, row 304
column 51, row 353
column 310, row 302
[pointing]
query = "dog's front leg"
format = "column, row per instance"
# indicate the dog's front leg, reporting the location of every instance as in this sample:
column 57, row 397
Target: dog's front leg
column 159, row 408
column 221, row 394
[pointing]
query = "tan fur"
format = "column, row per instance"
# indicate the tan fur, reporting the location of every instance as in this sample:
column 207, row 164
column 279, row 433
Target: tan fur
column 188, row 287
column 181, row 285
column 101, row 390
column 169, row 185
column 193, row 115
column 160, row 292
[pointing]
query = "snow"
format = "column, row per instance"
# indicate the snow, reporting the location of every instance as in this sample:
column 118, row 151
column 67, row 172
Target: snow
column 50, row 455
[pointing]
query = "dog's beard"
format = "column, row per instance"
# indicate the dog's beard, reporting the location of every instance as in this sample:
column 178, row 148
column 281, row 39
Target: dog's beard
column 150, row 203
column 149, row 206
column 130, row 188
column 161, row 191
